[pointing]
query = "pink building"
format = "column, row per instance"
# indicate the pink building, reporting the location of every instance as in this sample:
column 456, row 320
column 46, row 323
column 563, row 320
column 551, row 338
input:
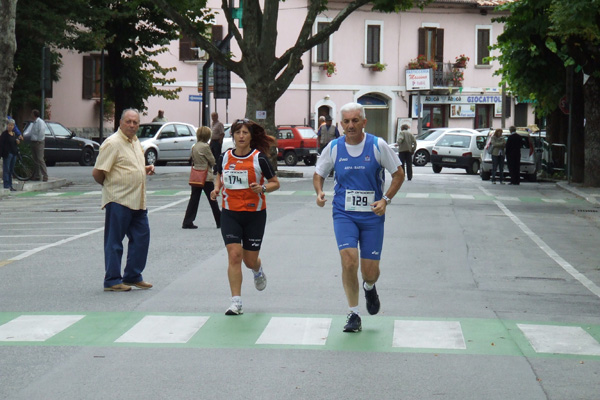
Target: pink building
column 459, row 97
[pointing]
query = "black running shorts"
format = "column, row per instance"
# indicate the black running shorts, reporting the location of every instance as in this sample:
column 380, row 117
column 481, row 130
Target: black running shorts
column 245, row 227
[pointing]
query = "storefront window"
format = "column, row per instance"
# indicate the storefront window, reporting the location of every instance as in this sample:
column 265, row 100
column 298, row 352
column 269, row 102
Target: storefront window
column 483, row 116
column 434, row 116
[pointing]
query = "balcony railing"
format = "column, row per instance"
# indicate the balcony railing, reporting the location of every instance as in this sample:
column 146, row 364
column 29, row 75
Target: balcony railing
column 442, row 76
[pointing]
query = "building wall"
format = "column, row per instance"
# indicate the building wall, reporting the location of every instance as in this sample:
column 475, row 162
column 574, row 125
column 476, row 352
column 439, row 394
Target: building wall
column 312, row 89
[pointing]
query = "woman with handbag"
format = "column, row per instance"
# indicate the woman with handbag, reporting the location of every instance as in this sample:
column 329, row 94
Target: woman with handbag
column 244, row 174
column 201, row 178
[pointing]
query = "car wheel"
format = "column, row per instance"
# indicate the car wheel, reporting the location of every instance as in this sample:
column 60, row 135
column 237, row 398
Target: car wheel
column 436, row 168
column 290, row 158
column 485, row 176
column 473, row 168
column 421, row 158
column 87, row 157
column 150, row 157
column 310, row 160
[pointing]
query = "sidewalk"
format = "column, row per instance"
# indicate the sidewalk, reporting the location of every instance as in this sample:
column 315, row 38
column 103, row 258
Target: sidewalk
column 34, row 186
column 590, row 194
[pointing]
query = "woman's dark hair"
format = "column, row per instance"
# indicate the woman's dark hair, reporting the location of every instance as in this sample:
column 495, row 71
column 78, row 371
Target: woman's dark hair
column 260, row 140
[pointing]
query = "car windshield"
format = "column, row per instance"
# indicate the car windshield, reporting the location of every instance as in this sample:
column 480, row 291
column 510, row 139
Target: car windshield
column 454, row 141
column 430, row 135
column 147, row 131
column 307, row 133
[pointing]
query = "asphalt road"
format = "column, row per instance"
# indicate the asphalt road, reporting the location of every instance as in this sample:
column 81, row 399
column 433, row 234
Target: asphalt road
column 488, row 291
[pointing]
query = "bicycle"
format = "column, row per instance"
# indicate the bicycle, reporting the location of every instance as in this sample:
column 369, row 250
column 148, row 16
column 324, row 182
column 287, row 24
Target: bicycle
column 24, row 167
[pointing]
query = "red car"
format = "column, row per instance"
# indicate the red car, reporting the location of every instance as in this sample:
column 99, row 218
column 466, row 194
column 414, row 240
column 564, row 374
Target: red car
column 296, row 143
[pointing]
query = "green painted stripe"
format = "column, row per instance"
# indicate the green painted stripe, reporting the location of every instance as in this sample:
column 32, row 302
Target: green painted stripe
column 482, row 336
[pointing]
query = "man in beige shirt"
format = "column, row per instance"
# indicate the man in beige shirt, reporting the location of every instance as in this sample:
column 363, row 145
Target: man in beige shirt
column 120, row 169
column 218, row 133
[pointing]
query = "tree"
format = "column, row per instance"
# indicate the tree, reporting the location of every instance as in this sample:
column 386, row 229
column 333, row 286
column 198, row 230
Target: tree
column 541, row 39
column 267, row 76
column 8, row 46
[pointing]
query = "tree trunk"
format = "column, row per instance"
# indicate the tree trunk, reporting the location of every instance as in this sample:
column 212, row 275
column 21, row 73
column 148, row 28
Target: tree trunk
column 258, row 99
column 592, row 132
column 8, row 47
column 578, row 130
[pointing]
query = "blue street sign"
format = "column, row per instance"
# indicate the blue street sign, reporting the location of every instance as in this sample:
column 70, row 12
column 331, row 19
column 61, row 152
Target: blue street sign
column 195, row 97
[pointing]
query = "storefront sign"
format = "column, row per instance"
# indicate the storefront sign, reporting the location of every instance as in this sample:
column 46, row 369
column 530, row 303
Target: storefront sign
column 462, row 111
column 419, row 79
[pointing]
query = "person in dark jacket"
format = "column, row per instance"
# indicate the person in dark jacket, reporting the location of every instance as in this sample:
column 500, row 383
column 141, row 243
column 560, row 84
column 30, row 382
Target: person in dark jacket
column 9, row 151
column 513, row 156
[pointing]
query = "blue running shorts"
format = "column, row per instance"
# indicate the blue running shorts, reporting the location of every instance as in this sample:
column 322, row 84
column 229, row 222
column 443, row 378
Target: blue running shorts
column 349, row 232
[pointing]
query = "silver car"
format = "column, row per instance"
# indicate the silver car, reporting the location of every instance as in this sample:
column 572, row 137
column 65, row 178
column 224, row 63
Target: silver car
column 166, row 141
column 425, row 142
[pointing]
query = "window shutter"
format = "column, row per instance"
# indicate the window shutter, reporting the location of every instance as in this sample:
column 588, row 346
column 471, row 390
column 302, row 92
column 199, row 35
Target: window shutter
column 185, row 48
column 483, row 41
column 421, row 41
column 88, row 77
column 439, row 44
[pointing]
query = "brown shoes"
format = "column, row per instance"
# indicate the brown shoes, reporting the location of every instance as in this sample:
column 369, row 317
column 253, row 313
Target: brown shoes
column 118, row 288
column 139, row 285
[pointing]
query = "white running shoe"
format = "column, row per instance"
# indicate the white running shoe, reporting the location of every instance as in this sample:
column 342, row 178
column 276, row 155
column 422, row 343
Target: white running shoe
column 234, row 309
column 260, row 281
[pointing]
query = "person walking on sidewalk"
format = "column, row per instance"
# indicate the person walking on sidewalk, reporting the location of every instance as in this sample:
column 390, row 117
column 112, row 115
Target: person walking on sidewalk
column 35, row 132
column 498, row 144
column 327, row 133
column 407, row 144
column 359, row 204
column 513, row 156
column 202, row 159
column 9, row 140
column 121, row 170
column 217, row 135
column 244, row 174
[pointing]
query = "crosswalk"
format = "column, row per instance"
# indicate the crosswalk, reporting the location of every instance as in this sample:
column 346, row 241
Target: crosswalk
column 380, row 333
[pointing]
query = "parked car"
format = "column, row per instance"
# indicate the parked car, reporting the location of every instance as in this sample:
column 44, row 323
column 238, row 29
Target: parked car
column 425, row 142
column 227, row 139
column 166, row 141
column 529, row 163
column 296, row 143
column 458, row 148
column 61, row 145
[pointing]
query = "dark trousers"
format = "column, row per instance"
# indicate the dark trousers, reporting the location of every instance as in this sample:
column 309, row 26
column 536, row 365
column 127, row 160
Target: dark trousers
column 8, row 165
column 514, row 169
column 121, row 221
column 406, row 158
column 192, row 208
column 498, row 161
column 215, row 148
column 37, row 152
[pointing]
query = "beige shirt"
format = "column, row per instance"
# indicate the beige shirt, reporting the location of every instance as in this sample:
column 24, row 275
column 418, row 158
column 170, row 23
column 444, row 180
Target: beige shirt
column 406, row 142
column 202, row 158
column 122, row 161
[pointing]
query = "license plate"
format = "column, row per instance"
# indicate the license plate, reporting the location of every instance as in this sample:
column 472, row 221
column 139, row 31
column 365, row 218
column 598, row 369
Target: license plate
column 447, row 159
column 313, row 152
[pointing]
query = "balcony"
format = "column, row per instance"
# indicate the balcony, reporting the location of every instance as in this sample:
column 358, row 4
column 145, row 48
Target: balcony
column 443, row 76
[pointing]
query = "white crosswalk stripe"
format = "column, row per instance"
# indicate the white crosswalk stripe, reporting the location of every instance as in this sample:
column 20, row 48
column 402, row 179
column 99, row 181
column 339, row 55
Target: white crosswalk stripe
column 36, row 328
column 428, row 335
column 296, row 331
column 560, row 339
column 163, row 329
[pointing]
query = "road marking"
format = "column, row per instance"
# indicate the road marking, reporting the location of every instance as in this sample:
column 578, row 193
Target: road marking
column 163, row 329
column 429, row 335
column 36, row 328
column 296, row 331
column 560, row 339
column 253, row 331
column 591, row 286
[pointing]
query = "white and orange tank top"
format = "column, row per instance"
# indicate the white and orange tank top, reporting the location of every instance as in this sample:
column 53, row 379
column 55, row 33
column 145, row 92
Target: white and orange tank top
column 238, row 173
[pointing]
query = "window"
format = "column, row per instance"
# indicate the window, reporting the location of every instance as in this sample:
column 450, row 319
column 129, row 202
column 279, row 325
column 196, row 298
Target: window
column 187, row 48
column 431, row 43
column 183, row 131
column 324, row 49
column 483, row 45
column 373, row 42
column 91, row 77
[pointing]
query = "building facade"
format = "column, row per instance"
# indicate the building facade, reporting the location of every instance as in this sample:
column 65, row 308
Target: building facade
column 372, row 52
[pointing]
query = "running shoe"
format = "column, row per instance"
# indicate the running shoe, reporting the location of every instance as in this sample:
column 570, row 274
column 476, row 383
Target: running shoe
column 372, row 297
column 234, row 309
column 260, row 281
column 353, row 323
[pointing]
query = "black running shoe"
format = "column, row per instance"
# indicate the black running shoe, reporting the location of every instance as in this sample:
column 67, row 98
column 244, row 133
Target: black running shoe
column 353, row 323
column 372, row 297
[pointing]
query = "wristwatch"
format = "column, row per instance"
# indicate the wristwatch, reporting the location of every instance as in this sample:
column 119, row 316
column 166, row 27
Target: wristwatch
column 387, row 199
column 264, row 188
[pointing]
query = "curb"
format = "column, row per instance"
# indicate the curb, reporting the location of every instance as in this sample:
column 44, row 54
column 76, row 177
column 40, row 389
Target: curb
column 590, row 198
column 289, row 174
column 35, row 186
